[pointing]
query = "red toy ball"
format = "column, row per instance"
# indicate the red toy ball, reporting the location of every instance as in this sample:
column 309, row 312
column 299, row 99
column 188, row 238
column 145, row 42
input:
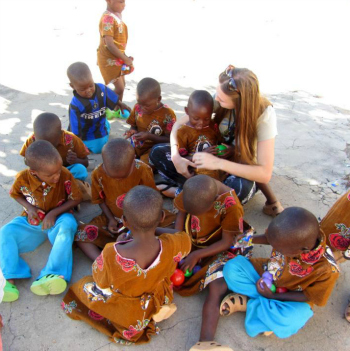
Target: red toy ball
column 281, row 290
column 178, row 277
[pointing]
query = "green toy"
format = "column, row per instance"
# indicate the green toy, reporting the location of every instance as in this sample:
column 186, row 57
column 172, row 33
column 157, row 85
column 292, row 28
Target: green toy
column 110, row 114
column 188, row 273
column 221, row 150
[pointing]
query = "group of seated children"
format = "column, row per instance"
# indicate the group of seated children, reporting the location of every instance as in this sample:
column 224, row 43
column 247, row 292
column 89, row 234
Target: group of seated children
column 134, row 249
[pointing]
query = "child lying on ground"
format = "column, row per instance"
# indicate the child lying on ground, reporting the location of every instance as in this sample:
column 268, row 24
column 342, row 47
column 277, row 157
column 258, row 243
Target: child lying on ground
column 301, row 267
column 130, row 288
column 111, row 180
column 47, row 126
column 47, row 191
column 150, row 120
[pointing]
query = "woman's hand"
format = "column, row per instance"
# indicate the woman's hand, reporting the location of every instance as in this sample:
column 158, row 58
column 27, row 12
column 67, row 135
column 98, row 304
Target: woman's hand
column 181, row 164
column 206, row 160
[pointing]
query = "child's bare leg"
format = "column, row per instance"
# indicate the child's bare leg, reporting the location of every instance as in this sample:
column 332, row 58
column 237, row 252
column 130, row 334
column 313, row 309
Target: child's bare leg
column 268, row 193
column 211, row 309
column 119, row 86
column 89, row 249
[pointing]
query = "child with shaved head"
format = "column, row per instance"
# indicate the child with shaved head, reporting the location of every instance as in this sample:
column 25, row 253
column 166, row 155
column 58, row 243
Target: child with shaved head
column 111, row 180
column 87, row 110
column 47, row 126
column 130, row 289
column 151, row 121
column 301, row 268
column 212, row 216
column 47, row 191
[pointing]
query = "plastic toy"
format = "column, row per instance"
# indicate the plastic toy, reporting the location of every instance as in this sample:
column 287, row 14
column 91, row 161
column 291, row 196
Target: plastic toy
column 267, row 278
column 117, row 114
column 281, row 290
column 220, row 150
column 188, row 273
column 178, row 277
column 37, row 221
column 196, row 269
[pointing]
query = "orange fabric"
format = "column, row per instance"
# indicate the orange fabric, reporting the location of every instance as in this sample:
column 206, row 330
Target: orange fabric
column 110, row 66
column 315, row 273
column 69, row 141
column 160, row 122
column 120, row 298
column 42, row 195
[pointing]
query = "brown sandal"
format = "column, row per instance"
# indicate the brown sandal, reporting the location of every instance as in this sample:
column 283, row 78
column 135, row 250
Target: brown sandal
column 209, row 345
column 274, row 209
column 235, row 303
column 347, row 312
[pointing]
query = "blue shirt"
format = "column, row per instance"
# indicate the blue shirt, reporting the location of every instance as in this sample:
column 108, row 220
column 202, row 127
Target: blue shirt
column 87, row 117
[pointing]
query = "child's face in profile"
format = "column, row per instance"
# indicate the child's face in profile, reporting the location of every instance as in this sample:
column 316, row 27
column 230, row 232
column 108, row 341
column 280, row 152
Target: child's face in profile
column 85, row 87
column 148, row 103
column 116, row 5
column 200, row 116
column 50, row 173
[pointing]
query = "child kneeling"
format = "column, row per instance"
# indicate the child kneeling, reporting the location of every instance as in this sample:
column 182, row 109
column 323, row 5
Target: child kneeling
column 130, row 288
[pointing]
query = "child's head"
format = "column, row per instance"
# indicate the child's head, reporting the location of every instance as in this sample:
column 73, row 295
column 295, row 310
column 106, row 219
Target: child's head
column 47, row 126
column 142, row 208
column 199, row 194
column 199, row 109
column 118, row 157
column 80, row 78
column 293, row 232
column 44, row 161
column 148, row 95
column 115, row 5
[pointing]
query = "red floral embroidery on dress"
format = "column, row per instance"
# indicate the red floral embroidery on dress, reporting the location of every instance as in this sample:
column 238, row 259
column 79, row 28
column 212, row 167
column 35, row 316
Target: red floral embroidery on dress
column 127, row 264
column 178, row 257
column 102, row 194
column 138, row 110
column 195, row 227
column 107, row 19
column 241, row 224
column 99, row 262
column 128, row 334
column 339, row 242
column 68, row 139
column 183, row 151
column 229, row 201
column 95, row 316
column 313, row 256
column 296, row 269
column 169, row 125
column 68, row 186
column 91, row 232
column 120, row 200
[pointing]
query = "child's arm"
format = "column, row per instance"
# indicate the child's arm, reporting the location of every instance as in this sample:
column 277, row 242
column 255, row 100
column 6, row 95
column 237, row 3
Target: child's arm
column 130, row 132
column 116, row 52
column 32, row 211
column 50, row 217
column 297, row 296
column 222, row 245
column 180, row 220
column 141, row 136
column 112, row 222
column 72, row 158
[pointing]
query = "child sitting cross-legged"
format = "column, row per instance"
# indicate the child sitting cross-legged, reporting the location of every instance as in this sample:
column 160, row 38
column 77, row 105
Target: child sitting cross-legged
column 151, row 121
column 130, row 289
column 301, row 268
column 47, row 191
column 111, row 180
column 47, row 126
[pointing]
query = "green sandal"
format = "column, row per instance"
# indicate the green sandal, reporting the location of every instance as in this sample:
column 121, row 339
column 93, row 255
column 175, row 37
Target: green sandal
column 50, row 284
column 11, row 293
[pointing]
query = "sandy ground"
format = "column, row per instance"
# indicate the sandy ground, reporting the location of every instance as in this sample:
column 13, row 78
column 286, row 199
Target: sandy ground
column 297, row 49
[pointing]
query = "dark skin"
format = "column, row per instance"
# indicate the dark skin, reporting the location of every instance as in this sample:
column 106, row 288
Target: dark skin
column 90, row 249
column 222, row 245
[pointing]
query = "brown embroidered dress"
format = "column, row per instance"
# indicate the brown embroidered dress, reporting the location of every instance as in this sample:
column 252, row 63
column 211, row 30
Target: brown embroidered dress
column 120, row 298
column 226, row 214
column 160, row 123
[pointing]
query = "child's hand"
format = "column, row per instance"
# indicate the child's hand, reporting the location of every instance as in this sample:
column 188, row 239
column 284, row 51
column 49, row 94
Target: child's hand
column 129, row 61
column 32, row 212
column 124, row 237
column 49, row 220
column 266, row 292
column 190, row 261
column 120, row 105
column 71, row 157
column 211, row 150
column 228, row 153
column 129, row 133
column 142, row 136
column 113, row 225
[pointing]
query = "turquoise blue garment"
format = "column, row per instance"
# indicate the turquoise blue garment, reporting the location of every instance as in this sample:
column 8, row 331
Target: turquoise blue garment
column 284, row 318
column 96, row 145
column 78, row 171
column 18, row 236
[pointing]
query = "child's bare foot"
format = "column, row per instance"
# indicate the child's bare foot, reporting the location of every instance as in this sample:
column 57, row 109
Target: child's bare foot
column 233, row 303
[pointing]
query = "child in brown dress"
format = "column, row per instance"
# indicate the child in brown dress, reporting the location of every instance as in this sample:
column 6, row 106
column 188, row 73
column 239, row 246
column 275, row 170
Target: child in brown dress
column 130, row 288
column 151, row 121
column 111, row 180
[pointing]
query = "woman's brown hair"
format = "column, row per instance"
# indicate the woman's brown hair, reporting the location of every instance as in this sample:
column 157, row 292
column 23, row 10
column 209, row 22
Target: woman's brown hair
column 249, row 105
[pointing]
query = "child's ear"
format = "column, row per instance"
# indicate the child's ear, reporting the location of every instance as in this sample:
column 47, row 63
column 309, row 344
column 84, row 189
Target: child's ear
column 186, row 110
column 162, row 217
column 71, row 85
column 160, row 99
